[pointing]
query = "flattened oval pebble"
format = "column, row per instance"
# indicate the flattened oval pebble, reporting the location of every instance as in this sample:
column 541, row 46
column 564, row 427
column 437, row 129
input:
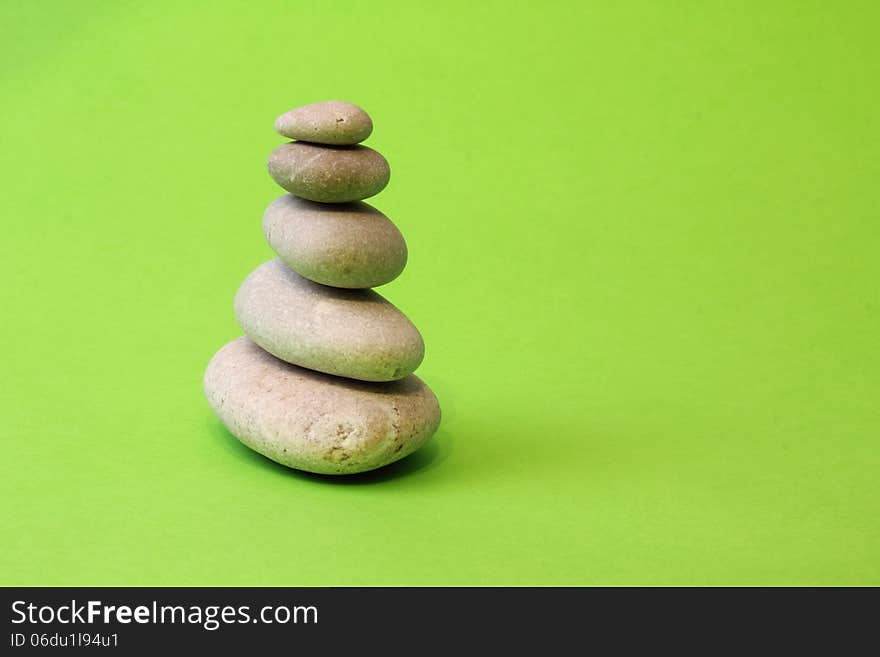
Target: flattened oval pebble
column 331, row 122
column 350, row 245
column 351, row 333
column 329, row 174
column 316, row 422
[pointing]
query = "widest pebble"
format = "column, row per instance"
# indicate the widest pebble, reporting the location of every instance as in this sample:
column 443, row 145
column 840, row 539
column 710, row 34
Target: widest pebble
column 350, row 245
column 351, row 333
column 329, row 174
column 316, row 422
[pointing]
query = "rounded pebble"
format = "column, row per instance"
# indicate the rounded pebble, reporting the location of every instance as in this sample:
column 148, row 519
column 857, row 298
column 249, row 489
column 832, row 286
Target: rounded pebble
column 351, row 333
column 331, row 122
column 329, row 174
column 350, row 245
column 316, row 422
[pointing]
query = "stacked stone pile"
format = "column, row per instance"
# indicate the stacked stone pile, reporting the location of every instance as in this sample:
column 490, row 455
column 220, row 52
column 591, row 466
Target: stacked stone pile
column 322, row 380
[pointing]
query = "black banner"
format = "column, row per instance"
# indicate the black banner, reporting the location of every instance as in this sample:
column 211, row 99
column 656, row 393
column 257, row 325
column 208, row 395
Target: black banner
column 387, row 620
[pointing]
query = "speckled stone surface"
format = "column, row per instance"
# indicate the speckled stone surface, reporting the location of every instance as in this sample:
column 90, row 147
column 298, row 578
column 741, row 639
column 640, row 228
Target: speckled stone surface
column 350, row 245
column 316, row 422
column 330, row 122
column 329, row 174
column 351, row 333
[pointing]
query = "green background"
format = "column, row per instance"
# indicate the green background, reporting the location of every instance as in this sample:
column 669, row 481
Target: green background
column 644, row 243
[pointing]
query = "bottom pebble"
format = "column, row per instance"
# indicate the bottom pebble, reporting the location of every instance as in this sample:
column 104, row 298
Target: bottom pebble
column 313, row 421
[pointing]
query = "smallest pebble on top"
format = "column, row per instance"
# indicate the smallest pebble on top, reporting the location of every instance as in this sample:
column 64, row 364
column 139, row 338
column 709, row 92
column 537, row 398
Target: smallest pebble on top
column 332, row 122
